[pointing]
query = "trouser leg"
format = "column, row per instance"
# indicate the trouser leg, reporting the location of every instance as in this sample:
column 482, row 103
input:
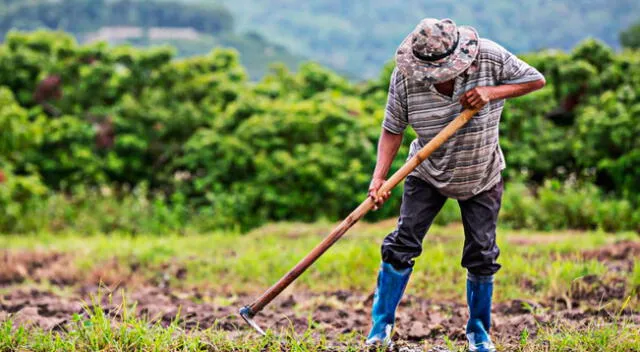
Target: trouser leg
column 420, row 205
column 480, row 218
column 479, row 257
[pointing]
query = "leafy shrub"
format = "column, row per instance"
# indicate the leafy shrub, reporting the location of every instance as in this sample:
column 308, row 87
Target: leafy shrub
column 566, row 205
column 16, row 193
column 607, row 140
column 132, row 212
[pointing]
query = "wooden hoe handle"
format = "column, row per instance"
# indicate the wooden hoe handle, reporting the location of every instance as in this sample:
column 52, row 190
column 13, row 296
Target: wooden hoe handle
column 251, row 310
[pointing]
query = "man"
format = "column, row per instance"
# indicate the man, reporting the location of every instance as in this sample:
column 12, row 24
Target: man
column 442, row 69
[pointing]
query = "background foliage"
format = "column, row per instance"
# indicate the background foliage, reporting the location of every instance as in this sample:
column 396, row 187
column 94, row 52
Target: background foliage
column 158, row 145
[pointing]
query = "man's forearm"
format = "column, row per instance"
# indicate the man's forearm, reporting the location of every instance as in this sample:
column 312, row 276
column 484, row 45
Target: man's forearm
column 507, row 91
column 387, row 149
column 479, row 96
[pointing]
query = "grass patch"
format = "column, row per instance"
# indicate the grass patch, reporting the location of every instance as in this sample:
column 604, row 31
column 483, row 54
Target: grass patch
column 534, row 265
column 97, row 331
column 618, row 336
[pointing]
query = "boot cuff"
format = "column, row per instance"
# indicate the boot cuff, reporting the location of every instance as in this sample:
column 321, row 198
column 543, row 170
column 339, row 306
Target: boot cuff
column 479, row 278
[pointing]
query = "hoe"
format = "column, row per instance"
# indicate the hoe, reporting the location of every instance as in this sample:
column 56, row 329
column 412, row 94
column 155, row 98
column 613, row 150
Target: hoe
column 249, row 312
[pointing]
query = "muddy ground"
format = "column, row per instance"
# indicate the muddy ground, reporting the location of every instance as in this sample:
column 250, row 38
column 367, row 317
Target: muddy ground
column 420, row 321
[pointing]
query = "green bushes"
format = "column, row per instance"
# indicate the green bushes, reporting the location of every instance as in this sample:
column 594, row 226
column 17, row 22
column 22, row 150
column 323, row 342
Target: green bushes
column 101, row 210
column 16, row 192
column 566, row 206
column 138, row 211
column 607, row 139
column 192, row 143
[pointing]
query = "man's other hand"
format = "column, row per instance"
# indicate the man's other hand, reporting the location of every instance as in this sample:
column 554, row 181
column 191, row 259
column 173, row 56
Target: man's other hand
column 375, row 185
column 476, row 98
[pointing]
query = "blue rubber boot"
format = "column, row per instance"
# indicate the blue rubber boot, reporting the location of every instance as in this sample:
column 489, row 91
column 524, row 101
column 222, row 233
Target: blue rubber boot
column 391, row 285
column 479, row 292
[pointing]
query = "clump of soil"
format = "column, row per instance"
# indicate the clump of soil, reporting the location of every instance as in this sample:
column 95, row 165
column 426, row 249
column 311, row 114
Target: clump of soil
column 622, row 250
column 38, row 266
column 34, row 308
column 594, row 289
column 59, row 269
column 618, row 257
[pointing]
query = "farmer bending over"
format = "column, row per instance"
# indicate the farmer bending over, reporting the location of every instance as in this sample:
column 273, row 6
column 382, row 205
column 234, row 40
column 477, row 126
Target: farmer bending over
column 441, row 69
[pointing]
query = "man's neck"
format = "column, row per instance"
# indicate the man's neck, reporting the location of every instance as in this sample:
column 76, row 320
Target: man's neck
column 445, row 88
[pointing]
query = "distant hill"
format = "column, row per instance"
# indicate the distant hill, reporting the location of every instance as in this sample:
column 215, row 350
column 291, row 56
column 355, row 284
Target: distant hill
column 355, row 38
column 359, row 36
column 256, row 53
column 193, row 28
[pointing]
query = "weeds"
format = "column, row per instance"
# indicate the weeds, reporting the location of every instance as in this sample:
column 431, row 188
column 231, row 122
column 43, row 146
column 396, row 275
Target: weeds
column 619, row 336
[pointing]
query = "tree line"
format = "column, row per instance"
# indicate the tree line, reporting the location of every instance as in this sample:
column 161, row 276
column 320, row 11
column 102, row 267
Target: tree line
column 120, row 130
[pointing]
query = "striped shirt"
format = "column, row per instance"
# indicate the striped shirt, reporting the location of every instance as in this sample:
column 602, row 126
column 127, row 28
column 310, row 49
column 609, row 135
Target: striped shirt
column 471, row 161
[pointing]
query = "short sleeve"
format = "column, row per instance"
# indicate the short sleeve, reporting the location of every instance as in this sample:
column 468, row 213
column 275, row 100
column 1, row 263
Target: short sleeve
column 395, row 116
column 514, row 70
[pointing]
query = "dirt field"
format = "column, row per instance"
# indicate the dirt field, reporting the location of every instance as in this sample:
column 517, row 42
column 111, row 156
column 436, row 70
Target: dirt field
column 422, row 323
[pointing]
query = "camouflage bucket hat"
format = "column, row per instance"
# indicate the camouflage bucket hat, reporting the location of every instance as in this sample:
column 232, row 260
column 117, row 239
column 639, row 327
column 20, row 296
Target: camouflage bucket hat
column 437, row 51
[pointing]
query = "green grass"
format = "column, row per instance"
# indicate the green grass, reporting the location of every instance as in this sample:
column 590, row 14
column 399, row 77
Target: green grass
column 97, row 332
column 534, row 265
column 616, row 337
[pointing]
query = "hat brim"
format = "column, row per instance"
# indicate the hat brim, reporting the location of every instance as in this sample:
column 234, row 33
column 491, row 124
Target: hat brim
column 442, row 70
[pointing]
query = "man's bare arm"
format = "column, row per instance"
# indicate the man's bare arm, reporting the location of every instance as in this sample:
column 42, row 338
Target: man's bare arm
column 388, row 146
column 479, row 96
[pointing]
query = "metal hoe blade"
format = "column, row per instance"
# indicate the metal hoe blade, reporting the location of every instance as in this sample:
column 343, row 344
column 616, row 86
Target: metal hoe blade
column 247, row 314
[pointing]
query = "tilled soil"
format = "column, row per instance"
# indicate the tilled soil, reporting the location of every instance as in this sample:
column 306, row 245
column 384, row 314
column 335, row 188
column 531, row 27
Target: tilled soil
column 420, row 321
column 332, row 313
column 619, row 257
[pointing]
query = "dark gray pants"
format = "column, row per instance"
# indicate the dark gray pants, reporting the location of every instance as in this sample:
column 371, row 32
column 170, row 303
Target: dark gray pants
column 421, row 203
